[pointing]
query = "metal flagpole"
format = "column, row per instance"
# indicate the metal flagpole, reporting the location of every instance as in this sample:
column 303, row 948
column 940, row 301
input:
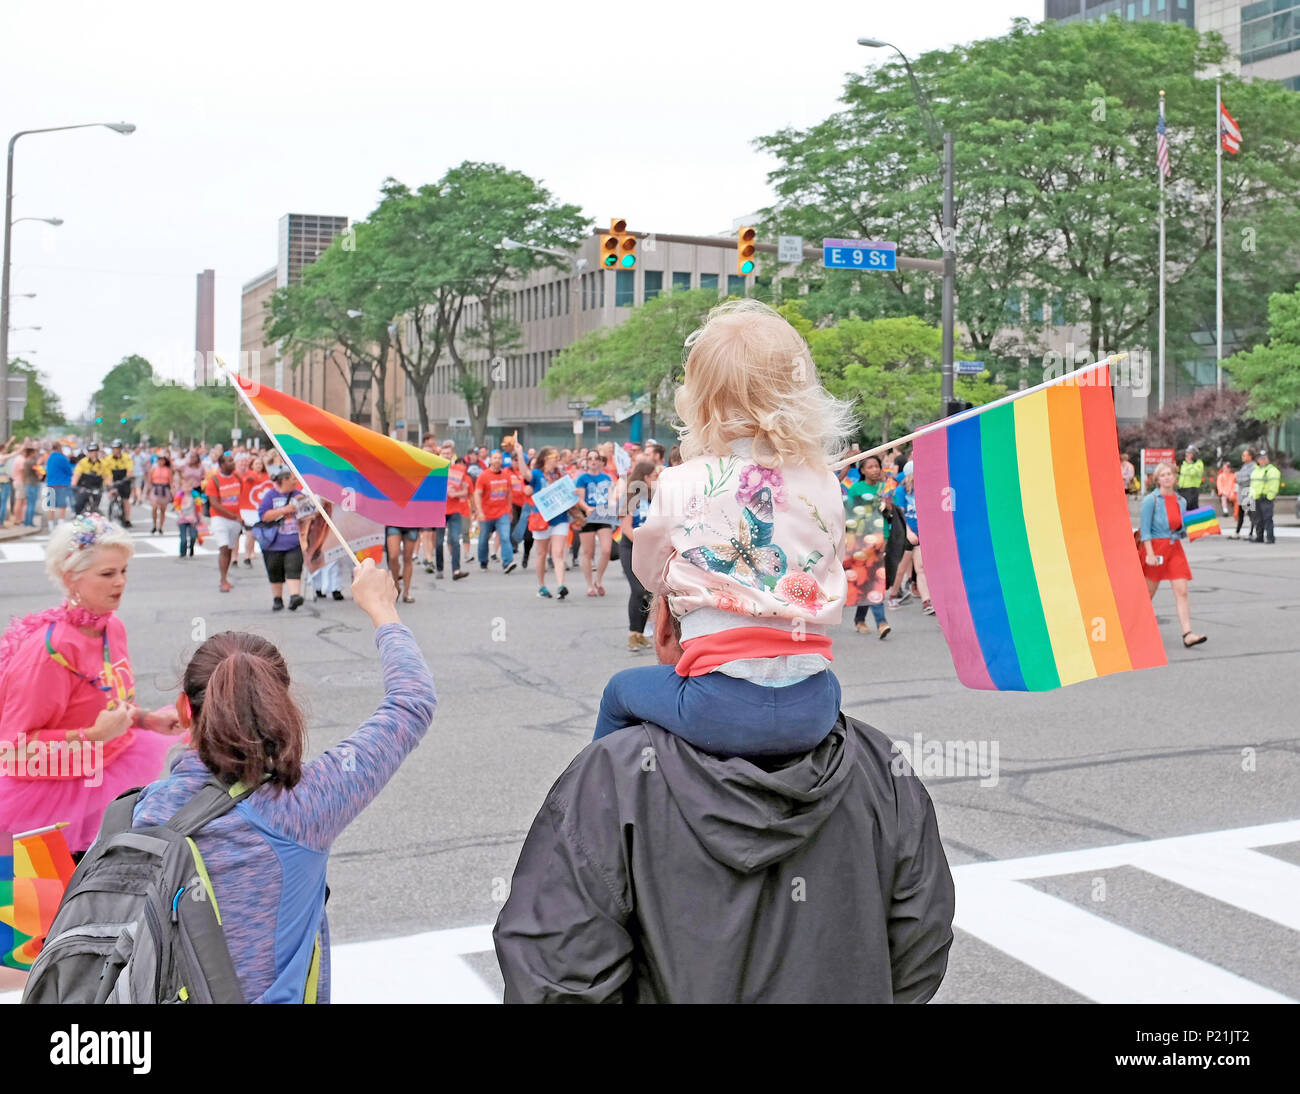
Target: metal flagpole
column 1218, row 234
column 1160, row 171
column 1113, row 359
column 270, row 436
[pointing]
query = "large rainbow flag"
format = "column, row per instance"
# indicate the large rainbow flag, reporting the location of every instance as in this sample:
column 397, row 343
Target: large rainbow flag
column 35, row 869
column 388, row 481
column 1027, row 543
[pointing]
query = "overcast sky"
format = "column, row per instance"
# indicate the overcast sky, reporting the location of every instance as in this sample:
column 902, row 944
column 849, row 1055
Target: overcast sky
column 245, row 111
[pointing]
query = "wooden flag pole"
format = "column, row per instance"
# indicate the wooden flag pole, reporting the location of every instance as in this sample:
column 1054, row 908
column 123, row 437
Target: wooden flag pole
column 270, row 436
column 933, row 427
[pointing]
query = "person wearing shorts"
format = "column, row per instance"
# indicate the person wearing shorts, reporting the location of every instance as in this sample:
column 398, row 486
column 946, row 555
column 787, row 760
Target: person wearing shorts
column 222, row 493
column 552, row 536
column 283, row 556
column 401, row 557
column 595, row 485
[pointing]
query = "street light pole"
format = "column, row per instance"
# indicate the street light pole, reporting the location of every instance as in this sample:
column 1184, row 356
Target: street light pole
column 118, row 127
column 945, row 147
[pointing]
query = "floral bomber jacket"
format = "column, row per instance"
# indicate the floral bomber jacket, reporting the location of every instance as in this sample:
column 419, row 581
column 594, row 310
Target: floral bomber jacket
column 729, row 534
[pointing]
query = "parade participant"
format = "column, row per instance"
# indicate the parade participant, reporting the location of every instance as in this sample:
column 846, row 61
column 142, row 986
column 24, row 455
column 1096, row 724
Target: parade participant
column 190, row 474
column 594, row 485
column 222, row 493
column 1245, row 503
column 160, row 493
column 657, row 873
column 911, row 566
column 120, row 468
column 282, row 554
column 866, row 533
column 186, row 504
column 429, row 535
column 58, row 477
column 745, row 539
column 7, row 455
column 399, row 545
column 245, row 727
column 88, row 479
column 458, row 490
column 1129, row 473
column 319, row 540
column 492, row 501
column 551, row 535
column 637, row 489
column 31, row 473
column 1190, row 476
column 71, row 737
column 1161, row 532
column 1265, row 482
column 253, row 483
column 520, row 537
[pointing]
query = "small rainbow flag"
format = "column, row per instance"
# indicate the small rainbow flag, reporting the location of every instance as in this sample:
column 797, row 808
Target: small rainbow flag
column 1027, row 544
column 387, row 481
column 35, row 868
column 1202, row 522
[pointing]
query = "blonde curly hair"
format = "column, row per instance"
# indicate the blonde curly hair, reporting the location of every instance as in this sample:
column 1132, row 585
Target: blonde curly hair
column 749, row 374
column 73, row 544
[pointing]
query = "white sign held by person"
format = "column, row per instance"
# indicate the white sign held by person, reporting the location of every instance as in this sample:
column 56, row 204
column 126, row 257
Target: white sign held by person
column 559, row 496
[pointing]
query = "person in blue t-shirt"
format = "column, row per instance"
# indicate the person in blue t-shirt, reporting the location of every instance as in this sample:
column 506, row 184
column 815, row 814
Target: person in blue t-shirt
column 596, row 485
column 58, row 477
column 905, row 499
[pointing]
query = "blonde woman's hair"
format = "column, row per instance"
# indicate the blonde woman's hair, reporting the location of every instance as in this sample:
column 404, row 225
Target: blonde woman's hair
column 750, row 374
column 1155, row 475
column 73, row 544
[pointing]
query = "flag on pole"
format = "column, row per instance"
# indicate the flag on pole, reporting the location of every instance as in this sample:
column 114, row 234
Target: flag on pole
column 35, row 868
column 1162, row 142
column 1027, row 544
column 359, row 470
column 1229, row 131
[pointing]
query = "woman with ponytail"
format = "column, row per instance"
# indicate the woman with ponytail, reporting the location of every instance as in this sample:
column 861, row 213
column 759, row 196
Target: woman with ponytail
column 267, row 856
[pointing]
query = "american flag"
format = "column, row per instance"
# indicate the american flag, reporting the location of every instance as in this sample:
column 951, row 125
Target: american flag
column 1162, row 142
column 1229, row 131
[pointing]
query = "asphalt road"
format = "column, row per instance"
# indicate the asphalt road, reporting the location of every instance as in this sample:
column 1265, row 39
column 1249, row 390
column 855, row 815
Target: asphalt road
column 1207, row 744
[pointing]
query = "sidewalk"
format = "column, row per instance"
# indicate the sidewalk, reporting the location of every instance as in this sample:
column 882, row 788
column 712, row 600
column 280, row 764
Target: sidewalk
column 1284, row 512
column 19, row 531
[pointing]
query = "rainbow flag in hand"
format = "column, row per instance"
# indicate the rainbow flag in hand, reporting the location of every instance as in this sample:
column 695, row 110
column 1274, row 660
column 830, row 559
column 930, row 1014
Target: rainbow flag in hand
column 359, row 470
column 35, row 869
column 1202, row 522
column 1027, row 545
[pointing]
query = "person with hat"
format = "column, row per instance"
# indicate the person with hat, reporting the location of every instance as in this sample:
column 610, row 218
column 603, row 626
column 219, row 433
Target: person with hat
column 1190, row 476
column 119, row 466
column 88, row 479
column 1265, row 482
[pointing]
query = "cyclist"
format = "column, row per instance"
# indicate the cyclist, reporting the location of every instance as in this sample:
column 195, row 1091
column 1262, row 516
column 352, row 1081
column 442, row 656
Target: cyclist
column 120, row 467
column 88, row 479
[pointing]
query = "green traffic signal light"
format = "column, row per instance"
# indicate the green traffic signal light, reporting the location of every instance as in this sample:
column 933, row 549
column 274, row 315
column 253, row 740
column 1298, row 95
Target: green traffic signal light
column 611, row 261
column 747, row 267
column 124, row 421
column 628, row 261
column 99, row 421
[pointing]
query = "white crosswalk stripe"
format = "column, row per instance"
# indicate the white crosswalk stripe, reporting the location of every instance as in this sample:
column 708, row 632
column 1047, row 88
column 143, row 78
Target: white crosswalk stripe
column 1092, row 956
column 32, row 548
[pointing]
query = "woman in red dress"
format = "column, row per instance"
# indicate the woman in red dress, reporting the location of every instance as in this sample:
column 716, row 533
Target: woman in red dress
column 1162, row 533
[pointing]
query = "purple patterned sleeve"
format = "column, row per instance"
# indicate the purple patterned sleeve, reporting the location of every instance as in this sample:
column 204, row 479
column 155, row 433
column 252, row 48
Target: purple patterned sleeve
column 338, row 785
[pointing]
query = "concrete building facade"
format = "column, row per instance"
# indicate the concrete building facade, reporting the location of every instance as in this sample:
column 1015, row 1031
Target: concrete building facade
column 205, row 333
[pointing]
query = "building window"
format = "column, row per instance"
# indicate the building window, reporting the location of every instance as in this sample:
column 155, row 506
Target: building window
column 1011, row 310
column 624, row 288
column 600, row 280
column 681, row 280
column 1131, row 12
column 735, row 285
column 709, row 281
column 1146, row 8
column 654, row 283
column 1036, row 303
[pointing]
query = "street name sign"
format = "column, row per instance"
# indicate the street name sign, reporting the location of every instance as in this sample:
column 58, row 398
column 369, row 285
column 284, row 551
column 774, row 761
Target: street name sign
column 859, row 254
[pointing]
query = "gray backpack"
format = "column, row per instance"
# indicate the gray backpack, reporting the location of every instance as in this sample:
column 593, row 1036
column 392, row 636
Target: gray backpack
column 139, row 922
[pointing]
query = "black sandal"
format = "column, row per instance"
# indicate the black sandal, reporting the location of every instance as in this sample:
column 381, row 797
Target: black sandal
column 1188, row 645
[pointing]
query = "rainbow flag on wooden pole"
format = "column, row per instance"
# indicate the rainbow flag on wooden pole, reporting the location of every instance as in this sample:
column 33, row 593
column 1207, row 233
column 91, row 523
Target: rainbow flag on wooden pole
column 35, row 868
column 359, row 470
column 1026, row 539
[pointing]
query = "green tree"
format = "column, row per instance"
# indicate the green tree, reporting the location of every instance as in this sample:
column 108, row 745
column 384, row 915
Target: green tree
column 42, row 410
column 441, row 254
column 121, row 395
column 1056, row 191
column 642, row 355
column 188, row 414
column 1269, row 373
column 340, row 307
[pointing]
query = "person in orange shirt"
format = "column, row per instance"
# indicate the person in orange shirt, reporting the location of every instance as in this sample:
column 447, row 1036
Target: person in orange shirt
column 1226, row 488
column 254, row 482
column 458, row 489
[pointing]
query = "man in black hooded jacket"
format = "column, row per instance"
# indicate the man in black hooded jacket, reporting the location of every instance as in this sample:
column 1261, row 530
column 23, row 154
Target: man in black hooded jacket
column 659, row 873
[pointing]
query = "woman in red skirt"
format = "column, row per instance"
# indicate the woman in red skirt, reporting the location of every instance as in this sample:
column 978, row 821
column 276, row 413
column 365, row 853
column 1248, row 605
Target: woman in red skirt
column 1161, row 533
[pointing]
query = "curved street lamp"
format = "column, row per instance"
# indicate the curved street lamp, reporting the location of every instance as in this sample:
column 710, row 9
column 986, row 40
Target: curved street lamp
column 117, row 127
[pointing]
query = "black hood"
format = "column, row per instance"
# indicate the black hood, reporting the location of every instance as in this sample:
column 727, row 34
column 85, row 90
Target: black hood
column 748, row 818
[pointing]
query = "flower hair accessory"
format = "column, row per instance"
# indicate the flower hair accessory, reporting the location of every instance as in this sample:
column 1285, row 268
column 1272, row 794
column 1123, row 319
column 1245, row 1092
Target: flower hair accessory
column 89, row 527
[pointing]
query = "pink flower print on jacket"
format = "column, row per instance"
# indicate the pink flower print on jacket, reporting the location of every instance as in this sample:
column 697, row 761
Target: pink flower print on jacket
column 801, row 590
column 754, row 478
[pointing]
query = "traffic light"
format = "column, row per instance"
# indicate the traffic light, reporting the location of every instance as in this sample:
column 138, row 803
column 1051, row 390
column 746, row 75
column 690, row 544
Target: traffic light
column 99, row 421
column 123, row 421
column 618, row 246
column 958, row 406
column 745, row 251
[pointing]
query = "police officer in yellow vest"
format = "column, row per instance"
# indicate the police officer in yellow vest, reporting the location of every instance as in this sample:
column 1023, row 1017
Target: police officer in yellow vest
column 1265, row 481
column 1190, row 475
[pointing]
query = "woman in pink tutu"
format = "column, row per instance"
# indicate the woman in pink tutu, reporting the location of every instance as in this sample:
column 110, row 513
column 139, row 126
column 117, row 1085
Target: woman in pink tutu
column 71, row 737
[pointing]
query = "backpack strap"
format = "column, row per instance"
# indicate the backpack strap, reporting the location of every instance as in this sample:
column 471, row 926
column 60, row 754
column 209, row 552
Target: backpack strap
column 211, row 801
